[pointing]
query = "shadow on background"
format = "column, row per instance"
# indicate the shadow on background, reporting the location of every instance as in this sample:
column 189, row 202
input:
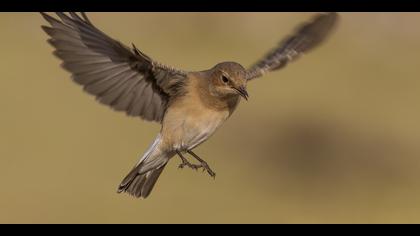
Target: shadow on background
column 331, row 138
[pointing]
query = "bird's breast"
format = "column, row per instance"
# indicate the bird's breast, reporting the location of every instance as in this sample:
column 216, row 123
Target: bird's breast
column 185, row 126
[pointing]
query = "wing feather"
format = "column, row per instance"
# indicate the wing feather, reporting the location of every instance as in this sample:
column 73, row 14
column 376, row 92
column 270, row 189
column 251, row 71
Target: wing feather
column 307, row 36
column 123, row 78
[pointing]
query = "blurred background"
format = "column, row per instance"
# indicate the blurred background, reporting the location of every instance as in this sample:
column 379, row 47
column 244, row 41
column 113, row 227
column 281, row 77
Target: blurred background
column 332, row 138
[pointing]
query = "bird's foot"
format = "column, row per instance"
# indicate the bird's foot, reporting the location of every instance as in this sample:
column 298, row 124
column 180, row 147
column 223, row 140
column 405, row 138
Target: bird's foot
column 207, row 168
column 202, row 164
column 187, row 163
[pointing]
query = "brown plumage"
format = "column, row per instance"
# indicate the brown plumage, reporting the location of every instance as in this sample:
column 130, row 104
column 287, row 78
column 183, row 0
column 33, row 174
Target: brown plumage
column 191, row 106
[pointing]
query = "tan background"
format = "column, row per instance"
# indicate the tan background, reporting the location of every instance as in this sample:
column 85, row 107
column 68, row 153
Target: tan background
column 332, row 138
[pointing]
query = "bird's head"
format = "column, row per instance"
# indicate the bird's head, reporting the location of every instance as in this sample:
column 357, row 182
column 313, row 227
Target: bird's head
column 227, row 79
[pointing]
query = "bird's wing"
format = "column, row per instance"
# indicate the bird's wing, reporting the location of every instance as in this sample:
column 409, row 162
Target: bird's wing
column 123, row 78
column 306, row 37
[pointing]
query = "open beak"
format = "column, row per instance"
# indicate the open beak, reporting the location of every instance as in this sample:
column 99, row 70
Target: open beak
column 242, row 91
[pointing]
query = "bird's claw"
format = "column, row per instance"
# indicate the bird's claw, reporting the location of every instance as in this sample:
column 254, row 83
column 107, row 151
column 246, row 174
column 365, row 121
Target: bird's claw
column 183, row 164
column 207, row 168
column 204, row 166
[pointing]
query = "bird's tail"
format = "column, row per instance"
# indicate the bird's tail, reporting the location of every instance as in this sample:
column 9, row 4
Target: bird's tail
column 142, row 178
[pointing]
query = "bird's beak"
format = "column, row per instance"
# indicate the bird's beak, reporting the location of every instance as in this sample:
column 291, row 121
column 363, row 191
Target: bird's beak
column 242, row 91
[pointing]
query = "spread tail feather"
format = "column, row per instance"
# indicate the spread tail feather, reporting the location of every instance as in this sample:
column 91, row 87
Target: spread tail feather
column 140, row 185
column 142, row 178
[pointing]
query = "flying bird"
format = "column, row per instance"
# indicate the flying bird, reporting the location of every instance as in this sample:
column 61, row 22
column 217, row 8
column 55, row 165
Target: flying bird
column 189, row 105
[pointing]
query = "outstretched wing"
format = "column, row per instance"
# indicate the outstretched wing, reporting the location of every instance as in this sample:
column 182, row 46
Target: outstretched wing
column 307, row 36
column 123, row 78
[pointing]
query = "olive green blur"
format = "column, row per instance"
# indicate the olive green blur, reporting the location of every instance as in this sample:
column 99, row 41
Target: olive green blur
column 332, row 138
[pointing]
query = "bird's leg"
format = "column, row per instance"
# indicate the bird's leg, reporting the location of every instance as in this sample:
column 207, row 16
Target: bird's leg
column 185, row 162
column 202, row 164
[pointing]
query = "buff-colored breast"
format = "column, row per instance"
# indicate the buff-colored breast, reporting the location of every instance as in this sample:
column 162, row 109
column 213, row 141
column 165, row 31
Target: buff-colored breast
column 194, row 117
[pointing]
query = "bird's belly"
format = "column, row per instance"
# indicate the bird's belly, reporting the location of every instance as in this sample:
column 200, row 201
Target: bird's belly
column 189, row 130
column 197, row 132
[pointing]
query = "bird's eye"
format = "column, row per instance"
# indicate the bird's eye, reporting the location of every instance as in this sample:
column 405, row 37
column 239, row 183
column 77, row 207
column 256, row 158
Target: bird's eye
column 225, row 79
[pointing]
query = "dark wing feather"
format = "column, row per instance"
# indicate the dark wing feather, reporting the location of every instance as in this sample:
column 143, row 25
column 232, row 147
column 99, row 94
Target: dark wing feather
column 123, row 78
column 307, row 36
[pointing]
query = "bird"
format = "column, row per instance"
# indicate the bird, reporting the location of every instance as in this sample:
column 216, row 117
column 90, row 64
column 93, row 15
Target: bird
column 189, row 105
